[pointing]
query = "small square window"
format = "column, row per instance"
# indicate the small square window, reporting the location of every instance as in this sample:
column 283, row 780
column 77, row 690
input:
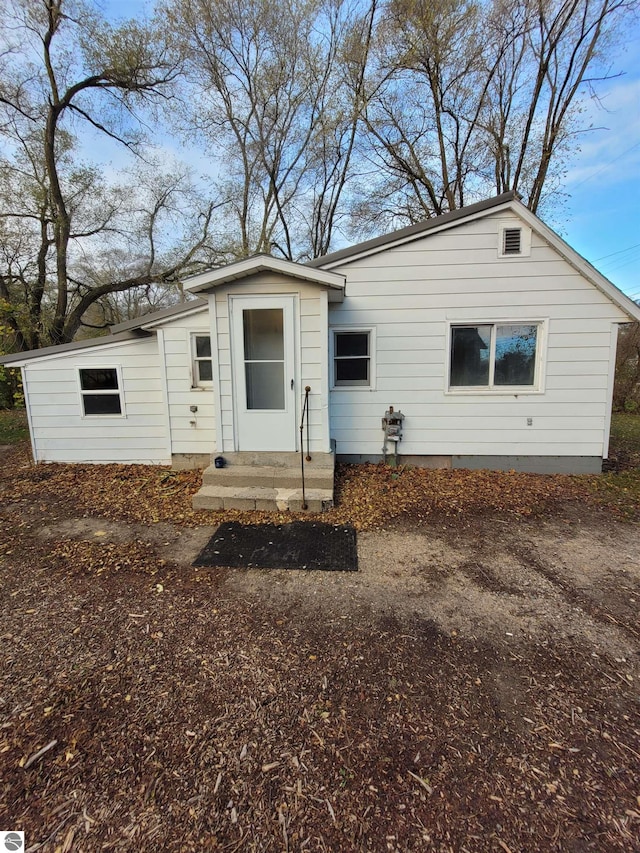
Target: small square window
column 100, row 391
column 202, row 364
column 352, row 358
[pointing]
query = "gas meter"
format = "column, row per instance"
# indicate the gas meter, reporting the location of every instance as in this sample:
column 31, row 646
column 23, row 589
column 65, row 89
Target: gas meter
column 392, row 427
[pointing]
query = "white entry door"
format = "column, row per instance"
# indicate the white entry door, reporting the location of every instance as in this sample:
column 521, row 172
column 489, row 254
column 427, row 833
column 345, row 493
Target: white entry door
column 263, row 356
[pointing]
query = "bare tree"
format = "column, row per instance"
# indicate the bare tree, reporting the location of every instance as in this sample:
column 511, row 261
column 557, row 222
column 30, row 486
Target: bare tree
column 281, row 86
column 564, row 47
column 65, row 67
column 329, row 157
column 466, row 99
column 318, row 115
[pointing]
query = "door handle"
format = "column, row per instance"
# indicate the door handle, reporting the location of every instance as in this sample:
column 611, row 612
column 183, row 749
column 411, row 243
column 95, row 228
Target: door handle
column 292, row 384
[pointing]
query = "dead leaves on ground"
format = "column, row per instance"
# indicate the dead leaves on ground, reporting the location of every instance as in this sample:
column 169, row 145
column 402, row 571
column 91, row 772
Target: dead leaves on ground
column 368, row 496
column 142, row 493
column 97, row 558
column 371, row 495
column 141, row 707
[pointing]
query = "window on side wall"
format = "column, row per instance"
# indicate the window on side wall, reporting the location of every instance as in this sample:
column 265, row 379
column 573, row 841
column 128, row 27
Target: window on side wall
column 495, row 356
column 352, row 358
column 202, row 368
column 101, row 391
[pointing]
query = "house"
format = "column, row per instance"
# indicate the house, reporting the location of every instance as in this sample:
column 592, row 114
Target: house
column 491, row 335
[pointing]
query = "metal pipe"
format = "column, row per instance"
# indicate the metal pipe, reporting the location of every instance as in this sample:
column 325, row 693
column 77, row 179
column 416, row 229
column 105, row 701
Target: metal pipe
column 306, row 403
column 305, row 407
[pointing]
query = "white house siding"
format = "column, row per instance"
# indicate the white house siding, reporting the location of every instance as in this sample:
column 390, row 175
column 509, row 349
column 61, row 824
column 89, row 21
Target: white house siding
column 410, row 293
column 311, row 349
column 61, row 434
column 190, row 432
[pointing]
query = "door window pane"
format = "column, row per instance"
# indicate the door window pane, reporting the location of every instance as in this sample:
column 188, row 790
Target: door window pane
column 265, row 384
column 263, row 330
column 263, row 334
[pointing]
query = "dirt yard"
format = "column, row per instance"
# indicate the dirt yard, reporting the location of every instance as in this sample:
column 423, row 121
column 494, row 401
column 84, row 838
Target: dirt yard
column 474, row 687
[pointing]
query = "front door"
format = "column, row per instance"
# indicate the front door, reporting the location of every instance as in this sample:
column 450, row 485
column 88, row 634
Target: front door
column 263, row 371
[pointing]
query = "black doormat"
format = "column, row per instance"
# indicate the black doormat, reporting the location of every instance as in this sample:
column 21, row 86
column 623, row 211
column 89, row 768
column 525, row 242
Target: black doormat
column 299, row 545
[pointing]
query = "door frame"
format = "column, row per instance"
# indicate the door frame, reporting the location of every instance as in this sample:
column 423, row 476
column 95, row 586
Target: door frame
column 289, row 304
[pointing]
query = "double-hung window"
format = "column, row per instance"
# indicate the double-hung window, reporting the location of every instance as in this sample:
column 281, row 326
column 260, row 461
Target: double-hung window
column 101, row 391
column 495, row 356
column 202, row 368
column 352, row 358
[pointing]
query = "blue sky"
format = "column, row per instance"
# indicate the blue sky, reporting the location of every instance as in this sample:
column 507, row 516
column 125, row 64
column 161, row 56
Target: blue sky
column 601, row 218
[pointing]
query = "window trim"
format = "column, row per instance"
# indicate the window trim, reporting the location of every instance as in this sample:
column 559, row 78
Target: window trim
column 371, row 332
column 196, row 382
column 525, row 240
column 112, row 392
column 538, row 386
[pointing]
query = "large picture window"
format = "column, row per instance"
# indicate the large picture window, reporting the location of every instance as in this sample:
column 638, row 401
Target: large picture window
column 352, row 358
column 494, row 355
column 100, row 391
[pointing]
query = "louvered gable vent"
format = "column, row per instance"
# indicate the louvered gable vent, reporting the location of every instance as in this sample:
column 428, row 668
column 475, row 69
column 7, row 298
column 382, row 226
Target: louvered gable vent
column 512, row 241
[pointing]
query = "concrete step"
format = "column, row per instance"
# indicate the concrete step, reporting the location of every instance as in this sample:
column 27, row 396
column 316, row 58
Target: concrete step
column 276, row 459
column 267, row 481
column 213, row 497
column 267, row 476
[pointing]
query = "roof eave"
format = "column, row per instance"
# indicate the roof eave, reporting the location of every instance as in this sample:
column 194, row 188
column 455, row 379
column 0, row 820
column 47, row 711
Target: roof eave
column 413, row 232
column 20, row 359
column 147, row 321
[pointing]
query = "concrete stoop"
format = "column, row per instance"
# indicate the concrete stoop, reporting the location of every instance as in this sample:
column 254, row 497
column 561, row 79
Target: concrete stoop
column 267, row 481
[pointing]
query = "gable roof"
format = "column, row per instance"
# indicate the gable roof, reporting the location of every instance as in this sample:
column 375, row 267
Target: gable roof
column 506, row 201
column 411, row 232
column 321, row 271
column 246, row 267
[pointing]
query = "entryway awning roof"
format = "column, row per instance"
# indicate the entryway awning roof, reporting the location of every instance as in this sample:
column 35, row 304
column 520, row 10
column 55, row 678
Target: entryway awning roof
column 206, row 281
